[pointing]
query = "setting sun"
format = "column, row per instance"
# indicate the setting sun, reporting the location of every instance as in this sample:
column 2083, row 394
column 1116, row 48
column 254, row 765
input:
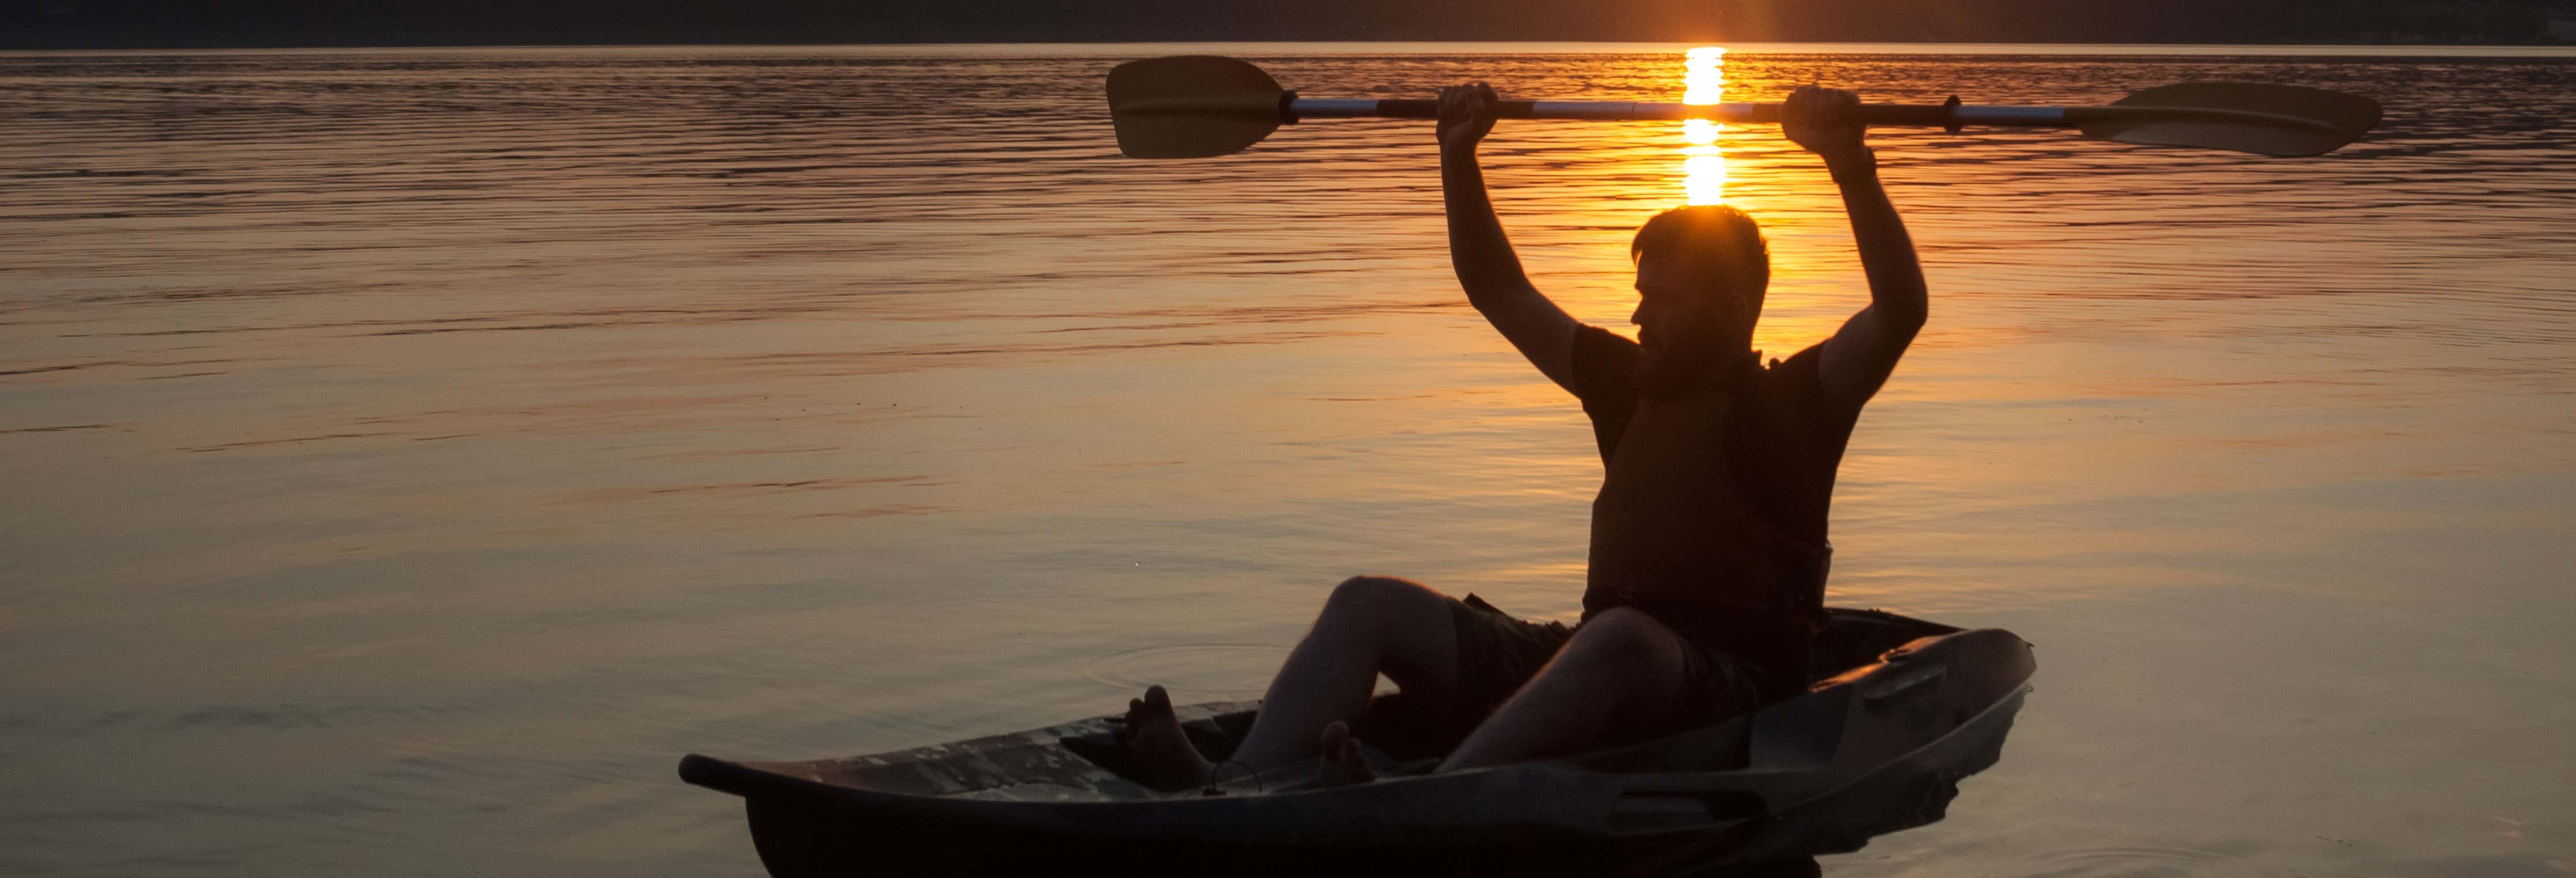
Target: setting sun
column 1703, row 164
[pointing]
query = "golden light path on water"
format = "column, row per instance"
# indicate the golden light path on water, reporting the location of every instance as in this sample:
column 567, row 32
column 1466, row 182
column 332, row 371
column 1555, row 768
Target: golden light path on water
column 1703, row 164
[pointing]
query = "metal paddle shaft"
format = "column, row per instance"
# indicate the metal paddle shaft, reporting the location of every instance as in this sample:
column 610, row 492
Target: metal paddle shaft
column 1190, row 106
column 1934, row 115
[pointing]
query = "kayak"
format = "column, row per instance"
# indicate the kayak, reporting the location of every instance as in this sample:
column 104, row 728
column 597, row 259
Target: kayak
column 1901, row 711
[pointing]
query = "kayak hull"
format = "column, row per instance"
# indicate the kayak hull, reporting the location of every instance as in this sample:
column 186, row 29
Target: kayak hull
column 1877, row 747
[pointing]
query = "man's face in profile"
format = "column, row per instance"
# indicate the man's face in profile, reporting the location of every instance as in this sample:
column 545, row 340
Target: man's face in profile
column 1689, row 312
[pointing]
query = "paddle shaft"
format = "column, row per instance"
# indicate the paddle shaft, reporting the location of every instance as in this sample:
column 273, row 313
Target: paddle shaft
column 1931, row 115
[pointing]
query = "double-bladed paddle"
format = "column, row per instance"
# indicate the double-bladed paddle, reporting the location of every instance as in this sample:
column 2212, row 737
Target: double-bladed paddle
column 1190, row 106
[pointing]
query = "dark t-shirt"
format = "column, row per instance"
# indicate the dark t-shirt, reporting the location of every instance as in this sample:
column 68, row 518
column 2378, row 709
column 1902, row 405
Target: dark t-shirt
column 1784, row 436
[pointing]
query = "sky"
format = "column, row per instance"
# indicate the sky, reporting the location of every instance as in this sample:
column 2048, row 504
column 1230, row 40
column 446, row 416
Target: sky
column 213, row 23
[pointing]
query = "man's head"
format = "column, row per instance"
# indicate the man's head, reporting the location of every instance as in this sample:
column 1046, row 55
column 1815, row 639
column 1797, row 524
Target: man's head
column 1701, row 273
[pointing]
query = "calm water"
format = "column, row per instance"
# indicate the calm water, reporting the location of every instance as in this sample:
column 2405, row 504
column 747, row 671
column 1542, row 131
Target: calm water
column 408, row 454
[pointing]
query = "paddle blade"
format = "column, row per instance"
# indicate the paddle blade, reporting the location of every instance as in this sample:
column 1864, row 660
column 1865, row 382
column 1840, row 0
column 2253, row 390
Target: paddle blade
column 2274, row 120
column 1191, row 106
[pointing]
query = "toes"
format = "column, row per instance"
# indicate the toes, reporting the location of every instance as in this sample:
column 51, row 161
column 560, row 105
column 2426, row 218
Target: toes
column 1353, row 762
column 1158, row 699
column 1344, row 761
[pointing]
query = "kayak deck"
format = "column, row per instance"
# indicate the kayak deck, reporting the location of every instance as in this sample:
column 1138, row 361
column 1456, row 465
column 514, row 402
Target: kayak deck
column 1877, row 745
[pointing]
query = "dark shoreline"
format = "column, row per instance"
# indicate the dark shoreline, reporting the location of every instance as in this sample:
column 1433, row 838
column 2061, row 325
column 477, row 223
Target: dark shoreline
column 181, row 24
column 2360, row 49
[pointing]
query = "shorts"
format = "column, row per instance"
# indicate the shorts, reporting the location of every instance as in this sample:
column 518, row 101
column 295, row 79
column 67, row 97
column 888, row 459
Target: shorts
column 1498, row 653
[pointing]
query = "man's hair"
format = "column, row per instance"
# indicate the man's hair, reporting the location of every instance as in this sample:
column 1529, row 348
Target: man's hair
column 1722, row 236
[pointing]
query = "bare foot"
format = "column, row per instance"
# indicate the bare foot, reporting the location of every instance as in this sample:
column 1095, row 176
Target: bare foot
column 1164, row 757
column 1343, row 763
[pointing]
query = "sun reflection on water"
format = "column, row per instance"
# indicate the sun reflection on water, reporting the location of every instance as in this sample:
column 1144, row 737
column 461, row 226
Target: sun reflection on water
column 1703, row 164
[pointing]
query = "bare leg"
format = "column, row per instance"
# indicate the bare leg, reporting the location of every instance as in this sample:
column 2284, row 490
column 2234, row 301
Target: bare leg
column 1370, row 625
column 1622, row 668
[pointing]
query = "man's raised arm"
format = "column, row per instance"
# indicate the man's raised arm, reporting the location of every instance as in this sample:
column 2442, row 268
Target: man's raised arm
column 1482, row 255
column 1859, row 357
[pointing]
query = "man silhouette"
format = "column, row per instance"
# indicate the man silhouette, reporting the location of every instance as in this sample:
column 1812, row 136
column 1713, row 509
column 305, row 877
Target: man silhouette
column 1708, row 550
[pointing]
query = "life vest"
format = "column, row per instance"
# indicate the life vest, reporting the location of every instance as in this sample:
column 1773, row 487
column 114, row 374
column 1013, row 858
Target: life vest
column 1673, row 536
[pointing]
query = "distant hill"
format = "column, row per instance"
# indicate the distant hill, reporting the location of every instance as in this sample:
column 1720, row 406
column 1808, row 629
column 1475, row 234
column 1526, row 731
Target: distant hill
column 30, row 24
